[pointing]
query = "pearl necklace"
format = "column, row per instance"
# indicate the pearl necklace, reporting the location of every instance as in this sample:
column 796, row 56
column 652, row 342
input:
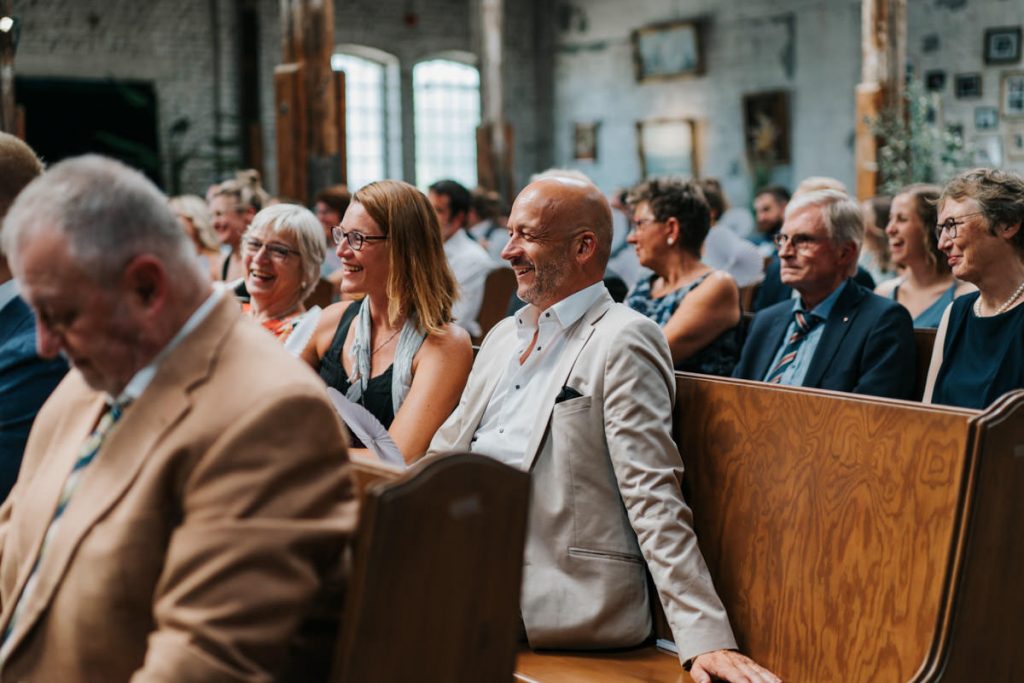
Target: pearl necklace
column 1006, row 304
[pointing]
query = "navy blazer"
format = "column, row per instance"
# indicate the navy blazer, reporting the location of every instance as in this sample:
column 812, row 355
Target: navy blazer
column 26, row 381
column 867, row 346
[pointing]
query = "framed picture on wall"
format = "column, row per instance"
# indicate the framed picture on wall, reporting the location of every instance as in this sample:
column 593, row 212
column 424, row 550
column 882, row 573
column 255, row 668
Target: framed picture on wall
column 1011, row 96
column 667, row 147
column 986, row 118
column 1015, row 141
column 584, row 141
column 670, row 50
column 935, row 81
column 967, row 86
column 1002, row 45
column 766, row 127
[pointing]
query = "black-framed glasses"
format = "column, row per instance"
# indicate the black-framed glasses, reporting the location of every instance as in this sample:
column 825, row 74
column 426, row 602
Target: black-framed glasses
column 355, row 239
column 951, row 225
column 798, row 241
column 277, row 252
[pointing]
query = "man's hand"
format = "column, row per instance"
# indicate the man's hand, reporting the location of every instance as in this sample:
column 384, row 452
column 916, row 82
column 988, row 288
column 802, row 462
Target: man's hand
column 731, row 666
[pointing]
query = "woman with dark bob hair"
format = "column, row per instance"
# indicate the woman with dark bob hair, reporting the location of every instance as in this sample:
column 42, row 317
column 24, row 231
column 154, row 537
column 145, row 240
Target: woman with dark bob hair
column 697, row 307
column 927, row 287
column 979, row 352
column 395, row 351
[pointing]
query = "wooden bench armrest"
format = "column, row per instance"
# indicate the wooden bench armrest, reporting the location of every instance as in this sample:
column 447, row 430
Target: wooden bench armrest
column 647, row 664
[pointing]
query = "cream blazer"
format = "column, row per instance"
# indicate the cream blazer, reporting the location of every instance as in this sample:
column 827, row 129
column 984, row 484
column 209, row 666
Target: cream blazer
column 606, row 495
column 198, row 538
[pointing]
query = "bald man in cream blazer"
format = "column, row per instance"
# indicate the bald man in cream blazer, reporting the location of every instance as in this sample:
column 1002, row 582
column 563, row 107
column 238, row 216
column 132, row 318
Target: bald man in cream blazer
column 578, row 390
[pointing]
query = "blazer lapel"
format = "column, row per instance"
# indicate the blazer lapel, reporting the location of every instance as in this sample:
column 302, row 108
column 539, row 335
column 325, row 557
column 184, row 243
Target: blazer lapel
column 488, row 367
column 840, row 319
column 776, row 336
column 125, row 450
column 577, row 339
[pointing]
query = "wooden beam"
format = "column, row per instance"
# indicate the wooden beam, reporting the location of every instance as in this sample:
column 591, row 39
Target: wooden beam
column 307, row 29
column 494, row 138
column 883, row 59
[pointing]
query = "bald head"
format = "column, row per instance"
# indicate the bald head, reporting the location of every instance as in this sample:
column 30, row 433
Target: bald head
column 560, row 238
column 570, row 204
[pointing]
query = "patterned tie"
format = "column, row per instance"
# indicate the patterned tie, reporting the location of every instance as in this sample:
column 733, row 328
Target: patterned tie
column 804, row 324
column 86, row 454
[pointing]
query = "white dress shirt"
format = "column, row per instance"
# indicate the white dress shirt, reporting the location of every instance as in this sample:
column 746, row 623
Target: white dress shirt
column 470, row 264
column 8, row 290
column 514, row 409
column 724, row 250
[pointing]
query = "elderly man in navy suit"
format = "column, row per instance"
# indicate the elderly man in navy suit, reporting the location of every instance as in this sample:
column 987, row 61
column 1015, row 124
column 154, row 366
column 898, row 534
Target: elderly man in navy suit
column 26, row 380
column 836, row 334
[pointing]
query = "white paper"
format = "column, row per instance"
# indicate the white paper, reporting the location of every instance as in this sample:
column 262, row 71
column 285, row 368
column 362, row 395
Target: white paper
column 366, row 428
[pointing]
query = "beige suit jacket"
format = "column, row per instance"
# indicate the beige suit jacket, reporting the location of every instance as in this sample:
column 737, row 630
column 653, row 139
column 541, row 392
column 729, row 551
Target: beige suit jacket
column 606, row 490
column 198, row 538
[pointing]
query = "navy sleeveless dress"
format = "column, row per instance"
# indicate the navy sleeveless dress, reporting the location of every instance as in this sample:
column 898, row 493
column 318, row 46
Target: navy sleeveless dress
column 982, row 358
column 717, row 358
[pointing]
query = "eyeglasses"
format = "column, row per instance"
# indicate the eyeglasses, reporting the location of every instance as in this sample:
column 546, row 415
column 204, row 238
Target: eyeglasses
column 639, row 223
column 950, row 225
column 799, row 242
column 277, row 252
column 355, row 239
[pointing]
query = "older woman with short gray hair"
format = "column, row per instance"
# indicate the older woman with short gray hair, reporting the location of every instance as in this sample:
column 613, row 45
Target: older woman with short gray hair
column 978, row 354
column 282, row 251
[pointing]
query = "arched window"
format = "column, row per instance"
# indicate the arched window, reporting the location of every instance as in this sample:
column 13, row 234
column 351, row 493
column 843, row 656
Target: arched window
column 370, row 109
column 447, row 113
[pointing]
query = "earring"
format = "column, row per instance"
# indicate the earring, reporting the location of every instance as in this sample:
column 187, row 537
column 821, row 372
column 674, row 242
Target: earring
column 671, row 241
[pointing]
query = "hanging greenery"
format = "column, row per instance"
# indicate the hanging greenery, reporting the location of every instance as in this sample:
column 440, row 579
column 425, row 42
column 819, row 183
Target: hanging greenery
column 913, row 146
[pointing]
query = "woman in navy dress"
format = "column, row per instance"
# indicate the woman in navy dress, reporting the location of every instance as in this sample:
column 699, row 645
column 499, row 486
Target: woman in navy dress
column 926, row 286
column 697, row 307
column 979, row 347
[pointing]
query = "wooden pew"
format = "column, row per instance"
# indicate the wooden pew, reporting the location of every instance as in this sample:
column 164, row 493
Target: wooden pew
column 499, row 287
column 434, row 592
column 851, row 538
column 924, row 341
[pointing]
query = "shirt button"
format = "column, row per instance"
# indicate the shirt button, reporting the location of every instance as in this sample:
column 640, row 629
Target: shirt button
column 517, row 386
column 501, row 430
column 538, row 348
column 547, row 315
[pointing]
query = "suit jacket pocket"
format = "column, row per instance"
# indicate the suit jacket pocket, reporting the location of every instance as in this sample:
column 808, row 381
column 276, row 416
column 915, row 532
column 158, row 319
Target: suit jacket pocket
column 573, row 405
column 587, row 553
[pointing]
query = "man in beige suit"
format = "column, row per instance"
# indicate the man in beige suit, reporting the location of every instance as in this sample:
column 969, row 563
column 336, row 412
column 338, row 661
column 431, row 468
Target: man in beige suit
column 578, row 390
column 183, row 498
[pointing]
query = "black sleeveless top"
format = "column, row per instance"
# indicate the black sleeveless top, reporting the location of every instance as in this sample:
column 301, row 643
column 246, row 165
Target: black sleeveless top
column 377, row 392
column 982, row 358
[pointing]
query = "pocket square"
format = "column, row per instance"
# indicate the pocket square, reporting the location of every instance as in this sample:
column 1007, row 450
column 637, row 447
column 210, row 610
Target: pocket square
column 566, row 394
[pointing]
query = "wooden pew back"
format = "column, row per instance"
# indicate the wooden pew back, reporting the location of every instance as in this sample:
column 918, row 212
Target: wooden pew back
column 499, row 287
column 434, row 592
column 826, row 520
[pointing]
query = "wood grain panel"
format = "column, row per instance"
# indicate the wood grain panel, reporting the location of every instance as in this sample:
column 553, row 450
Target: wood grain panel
column 641, row 665
column 826, row 520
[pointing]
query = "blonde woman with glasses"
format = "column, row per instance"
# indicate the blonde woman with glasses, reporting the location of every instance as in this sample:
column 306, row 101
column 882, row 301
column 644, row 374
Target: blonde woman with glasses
column 396, row 351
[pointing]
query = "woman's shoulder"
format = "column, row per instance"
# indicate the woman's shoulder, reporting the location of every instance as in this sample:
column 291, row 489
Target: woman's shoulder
column 716, row 283
column 452, row 338
column 887, row 288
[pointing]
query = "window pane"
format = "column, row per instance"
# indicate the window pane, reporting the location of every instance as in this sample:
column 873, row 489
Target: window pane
column 365, row 110
column 447, row 113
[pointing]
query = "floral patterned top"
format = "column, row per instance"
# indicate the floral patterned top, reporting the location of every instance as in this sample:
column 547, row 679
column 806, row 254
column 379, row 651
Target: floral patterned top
column 717, row 358
column 279, row 327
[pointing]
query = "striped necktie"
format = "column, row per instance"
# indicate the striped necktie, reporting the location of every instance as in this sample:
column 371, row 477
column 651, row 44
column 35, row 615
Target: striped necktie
column 86, row 454
column 804, row 324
